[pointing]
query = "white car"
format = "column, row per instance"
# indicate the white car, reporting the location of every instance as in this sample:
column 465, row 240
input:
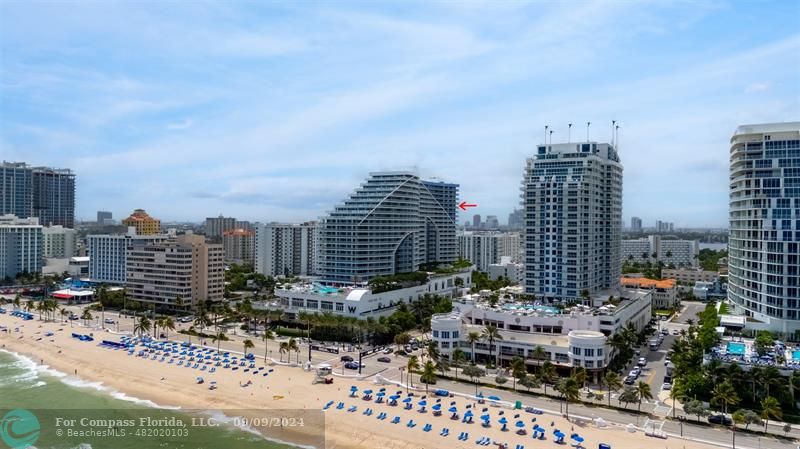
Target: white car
column 666, row 386
column 642, row 361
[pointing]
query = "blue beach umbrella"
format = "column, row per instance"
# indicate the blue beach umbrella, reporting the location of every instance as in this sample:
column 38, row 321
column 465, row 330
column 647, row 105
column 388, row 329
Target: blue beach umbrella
column 407, row 400
column 436, row 407
column 452, row 410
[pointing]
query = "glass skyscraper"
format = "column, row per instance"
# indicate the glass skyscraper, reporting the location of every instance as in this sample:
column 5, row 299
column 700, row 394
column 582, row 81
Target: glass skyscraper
column 42, row 192
column 764, row 241
column 572, row 202
column 391, row 224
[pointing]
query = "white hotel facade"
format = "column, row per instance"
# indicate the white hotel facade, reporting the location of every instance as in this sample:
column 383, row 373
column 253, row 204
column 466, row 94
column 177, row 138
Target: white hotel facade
column 108, row 254
column 577, row 337
column 361, row 302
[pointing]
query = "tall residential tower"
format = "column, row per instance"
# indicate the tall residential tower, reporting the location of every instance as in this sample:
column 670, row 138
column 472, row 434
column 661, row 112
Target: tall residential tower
column 764, row 241
column 42, row 192
column 572, row 198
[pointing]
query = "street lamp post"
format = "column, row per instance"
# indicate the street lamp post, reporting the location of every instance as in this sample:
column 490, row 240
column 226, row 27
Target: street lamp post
column 681, row 419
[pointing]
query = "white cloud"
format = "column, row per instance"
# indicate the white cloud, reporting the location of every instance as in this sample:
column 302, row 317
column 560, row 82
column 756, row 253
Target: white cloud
column 178, row 126
column 756, row 87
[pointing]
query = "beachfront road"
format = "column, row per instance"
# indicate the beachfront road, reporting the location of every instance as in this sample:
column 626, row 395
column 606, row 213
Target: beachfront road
column 391, row 370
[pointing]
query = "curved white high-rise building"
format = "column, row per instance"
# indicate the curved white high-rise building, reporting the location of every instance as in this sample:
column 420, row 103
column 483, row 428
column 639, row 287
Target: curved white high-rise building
column 391, row 224
column 764, row 242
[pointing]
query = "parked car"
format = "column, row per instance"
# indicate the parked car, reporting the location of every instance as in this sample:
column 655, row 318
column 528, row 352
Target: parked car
column 186, row 319
column 388, row 351
column 353, row 365
column 666, row 386
column 720, row 419
column 676, row 332
column 109, row 321
column 346, row 358
column 384, row 359
column 665, row 331
column 642, row 361
column 630, row 380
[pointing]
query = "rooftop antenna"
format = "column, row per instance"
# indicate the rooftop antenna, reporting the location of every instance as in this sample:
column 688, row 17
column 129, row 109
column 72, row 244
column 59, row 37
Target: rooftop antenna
column 587, row 130
column 616, row 139
column 613, row 123
column 546, row 127
column 569, row 133
column 551, row 137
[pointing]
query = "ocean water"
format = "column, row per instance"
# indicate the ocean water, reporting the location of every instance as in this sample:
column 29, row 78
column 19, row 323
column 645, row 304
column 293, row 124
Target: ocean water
column 49, row 395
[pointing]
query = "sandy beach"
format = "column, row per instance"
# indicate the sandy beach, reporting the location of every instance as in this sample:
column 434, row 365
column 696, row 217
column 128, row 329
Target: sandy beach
column 292, row 388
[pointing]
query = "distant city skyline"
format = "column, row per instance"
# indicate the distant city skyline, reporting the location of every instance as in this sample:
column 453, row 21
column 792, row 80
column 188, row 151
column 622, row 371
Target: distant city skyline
column 273, row 112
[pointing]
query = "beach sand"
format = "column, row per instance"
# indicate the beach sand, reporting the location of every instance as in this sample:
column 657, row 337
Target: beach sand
column 291, row 388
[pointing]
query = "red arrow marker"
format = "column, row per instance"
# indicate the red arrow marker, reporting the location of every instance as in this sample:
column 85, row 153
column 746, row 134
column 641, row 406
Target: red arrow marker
column 464, row 205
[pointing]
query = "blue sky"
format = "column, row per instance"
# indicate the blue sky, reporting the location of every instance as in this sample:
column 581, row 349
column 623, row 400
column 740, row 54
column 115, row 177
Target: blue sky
column 276, row 111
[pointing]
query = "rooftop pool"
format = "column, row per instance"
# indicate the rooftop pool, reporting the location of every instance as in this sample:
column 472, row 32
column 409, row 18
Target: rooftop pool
column 540, row 309
column 736, row 348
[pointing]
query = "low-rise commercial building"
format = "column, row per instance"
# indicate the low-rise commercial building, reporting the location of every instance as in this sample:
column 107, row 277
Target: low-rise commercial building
column 361, row 302
column 513, row 271
column 665, row 291
column 688, row 275
column 570, row 337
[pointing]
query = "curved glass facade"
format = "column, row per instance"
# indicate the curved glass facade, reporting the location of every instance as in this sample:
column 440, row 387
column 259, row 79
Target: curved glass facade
column 765, row 224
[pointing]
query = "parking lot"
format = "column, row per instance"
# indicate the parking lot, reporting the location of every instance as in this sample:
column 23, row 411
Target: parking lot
column 689, row 312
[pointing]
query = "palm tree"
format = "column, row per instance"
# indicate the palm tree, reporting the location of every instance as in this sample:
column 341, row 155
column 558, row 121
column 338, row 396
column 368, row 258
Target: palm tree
column 284, row 348
column 86, row 316
column 247, row 345
column 292, row 346
column 472, row 338
column 491, row 333
column 428, row 374
column 613, row 384
column 168, row 324
column 548, row 374
column 218, row 338
column 643, row 392
column 142, row 326
column 678, row 391
column 570, row 391
column 201, row 320
column 725, row 395
column 770, row 408
column 518, row 370
column 411, row 365
column 538, row 354
column 268, row 335
column 64, row 314
column 458, row 358
column 432, row 350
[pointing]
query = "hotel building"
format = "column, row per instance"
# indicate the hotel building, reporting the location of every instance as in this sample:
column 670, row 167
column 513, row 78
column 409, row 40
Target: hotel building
column 393, row 223
column 572, row 337
column 572, row 198
column 186, row 267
